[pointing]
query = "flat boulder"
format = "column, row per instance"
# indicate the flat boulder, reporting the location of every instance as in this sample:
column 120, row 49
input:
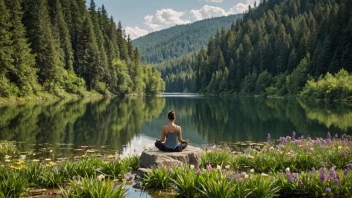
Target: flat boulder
column 154, row 157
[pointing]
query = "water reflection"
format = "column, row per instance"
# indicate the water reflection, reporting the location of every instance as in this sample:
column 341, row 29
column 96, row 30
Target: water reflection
column 109, row 122
column 217, row 120
column 136, row 121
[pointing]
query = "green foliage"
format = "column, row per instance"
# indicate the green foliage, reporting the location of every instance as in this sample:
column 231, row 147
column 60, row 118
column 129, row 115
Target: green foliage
column 92, row 187
column 116, row 168
column 216, row 156
column 188, row 182
column 330, row 87
column 7, row 147
column 174, row 42
column 69, row 49
column 270, row 51
column 12, row 184
column 158, row 178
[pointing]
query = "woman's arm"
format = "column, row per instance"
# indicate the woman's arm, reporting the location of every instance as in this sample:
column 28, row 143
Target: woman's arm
column 162, row 139
column 180, row 136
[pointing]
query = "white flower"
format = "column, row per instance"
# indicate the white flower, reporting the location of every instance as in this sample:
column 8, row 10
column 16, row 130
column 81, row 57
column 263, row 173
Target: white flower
column 340, row 147
column 227, row 166
column 22, row 157
column 101, row 177
column 246, row 176
column 192, row 166
column 265, row 175
column 218, row 167
column 252, row 170
column 287, row 169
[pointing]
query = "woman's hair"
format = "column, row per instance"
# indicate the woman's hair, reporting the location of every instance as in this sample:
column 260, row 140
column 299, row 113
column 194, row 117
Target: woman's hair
column 171, row 115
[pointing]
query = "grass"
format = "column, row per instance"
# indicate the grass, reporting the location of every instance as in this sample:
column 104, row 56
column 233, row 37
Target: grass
column 17, row 175
column 95, row 188
column 289, row 167
column 7, row 147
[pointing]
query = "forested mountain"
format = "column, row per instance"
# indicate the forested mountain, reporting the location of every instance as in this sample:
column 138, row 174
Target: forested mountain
column 274, row 49
column 181, row 39
column 60, row 46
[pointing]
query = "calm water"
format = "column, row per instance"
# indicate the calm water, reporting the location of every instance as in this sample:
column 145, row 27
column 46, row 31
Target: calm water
column 131, row 124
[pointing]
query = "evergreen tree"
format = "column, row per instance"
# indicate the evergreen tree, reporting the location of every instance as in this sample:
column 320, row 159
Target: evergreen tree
column 6, row 88
column 45, row 45
column 23, row 61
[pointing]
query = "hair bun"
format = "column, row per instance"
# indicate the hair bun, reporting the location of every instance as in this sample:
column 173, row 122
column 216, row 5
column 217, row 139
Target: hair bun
column 171, row 115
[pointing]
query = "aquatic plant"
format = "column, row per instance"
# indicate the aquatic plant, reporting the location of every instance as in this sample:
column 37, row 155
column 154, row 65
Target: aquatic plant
column 7, row 147
column 93, row 187
column 12, row 184
column 217, row 156
column 115, row 168
column 158, row 178
column 187, row 182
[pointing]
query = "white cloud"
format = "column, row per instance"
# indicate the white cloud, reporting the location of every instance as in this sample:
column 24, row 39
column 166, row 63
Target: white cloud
column 214, row 1
column 239, row 8
column 207, row 12
column 164, row 18
column 135, row 32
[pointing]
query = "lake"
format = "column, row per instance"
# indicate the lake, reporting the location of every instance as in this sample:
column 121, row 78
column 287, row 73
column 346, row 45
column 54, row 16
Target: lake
column 131, row 124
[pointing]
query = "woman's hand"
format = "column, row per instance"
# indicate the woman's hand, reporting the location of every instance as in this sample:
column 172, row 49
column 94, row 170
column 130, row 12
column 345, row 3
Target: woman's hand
column 157, row 140
column 186, row 141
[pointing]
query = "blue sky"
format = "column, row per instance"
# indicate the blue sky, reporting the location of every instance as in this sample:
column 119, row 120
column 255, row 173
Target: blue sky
column 140, row 17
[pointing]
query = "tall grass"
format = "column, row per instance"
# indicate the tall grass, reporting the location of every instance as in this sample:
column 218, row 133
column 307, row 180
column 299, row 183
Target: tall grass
column 94, row 188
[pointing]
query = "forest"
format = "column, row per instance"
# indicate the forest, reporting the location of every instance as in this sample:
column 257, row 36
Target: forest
column 60, row 47
column 179, row 40
column 274, row 49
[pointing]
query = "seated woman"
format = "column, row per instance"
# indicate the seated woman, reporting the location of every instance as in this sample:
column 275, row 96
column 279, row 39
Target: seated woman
column 172, row 133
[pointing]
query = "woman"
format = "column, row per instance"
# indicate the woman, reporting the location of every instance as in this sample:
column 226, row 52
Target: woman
column 172, row 133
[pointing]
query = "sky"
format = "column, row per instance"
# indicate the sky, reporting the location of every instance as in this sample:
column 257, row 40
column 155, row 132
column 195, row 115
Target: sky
column 140, row 17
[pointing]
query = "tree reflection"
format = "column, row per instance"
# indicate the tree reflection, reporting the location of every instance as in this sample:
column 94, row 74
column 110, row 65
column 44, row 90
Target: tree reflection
column 107, row 122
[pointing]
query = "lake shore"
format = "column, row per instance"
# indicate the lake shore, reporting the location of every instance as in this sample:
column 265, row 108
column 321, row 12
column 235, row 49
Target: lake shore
column 290, row 166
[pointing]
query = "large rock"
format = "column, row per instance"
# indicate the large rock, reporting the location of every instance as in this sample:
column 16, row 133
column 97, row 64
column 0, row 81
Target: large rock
column 154, row 157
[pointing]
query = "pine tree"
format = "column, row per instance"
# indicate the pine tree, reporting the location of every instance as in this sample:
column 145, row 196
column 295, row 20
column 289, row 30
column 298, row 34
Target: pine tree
column 122, row 44
column 24, row 62
column 91, row 72
column 58, row 21
column 45, row 45
column 6, row 88
column 102, row 60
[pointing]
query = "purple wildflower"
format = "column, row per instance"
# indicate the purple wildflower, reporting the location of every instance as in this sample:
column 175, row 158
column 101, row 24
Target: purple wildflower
column 328, row 141
column 328, row 191
column 198, row 171
column 289, row 177
column 209, row 168
column 299, row 182
column 313, row 170
column 322, row 174
column 269, row 138
column 345, row 172
column 328, row 136
column 297, row 142
column 302, row 137
column 293, row 135
column 349, row 166
column 324, row 142
column 317, row 141
column 332, row 173
column 309, row 138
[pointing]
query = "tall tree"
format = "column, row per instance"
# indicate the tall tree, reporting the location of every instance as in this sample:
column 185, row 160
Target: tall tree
column 23, row 60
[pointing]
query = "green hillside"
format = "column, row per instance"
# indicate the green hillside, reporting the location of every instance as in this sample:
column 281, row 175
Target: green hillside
column 274, row 50
column 62, row 48
column 181, row 39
